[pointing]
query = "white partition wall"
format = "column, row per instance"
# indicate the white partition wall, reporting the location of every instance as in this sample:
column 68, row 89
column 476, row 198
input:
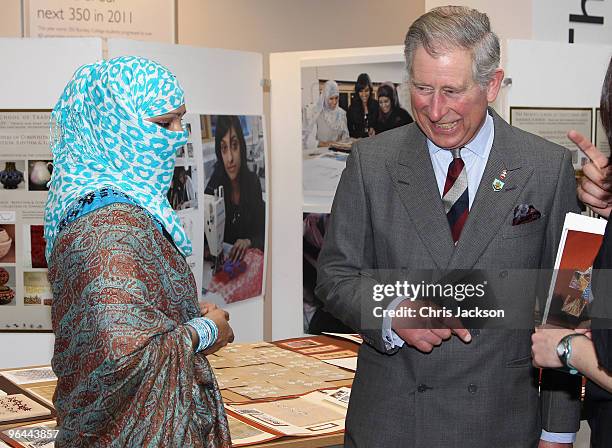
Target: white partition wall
column 555, row 74
column 286, row 172
column 34, row 73
column 215, row 82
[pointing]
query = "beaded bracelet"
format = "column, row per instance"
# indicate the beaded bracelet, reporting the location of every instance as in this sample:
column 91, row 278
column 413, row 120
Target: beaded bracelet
column 207, row 331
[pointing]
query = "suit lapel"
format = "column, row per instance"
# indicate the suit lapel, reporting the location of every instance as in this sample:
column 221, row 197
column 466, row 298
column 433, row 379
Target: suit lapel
column 415, row 183
column 491, row 208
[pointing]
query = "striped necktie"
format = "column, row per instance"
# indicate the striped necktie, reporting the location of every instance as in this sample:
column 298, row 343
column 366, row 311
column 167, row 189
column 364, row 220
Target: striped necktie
column 455, row 196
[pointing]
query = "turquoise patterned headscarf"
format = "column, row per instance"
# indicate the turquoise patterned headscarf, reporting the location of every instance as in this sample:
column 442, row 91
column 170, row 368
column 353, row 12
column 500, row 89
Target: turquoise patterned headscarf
column 101, row 138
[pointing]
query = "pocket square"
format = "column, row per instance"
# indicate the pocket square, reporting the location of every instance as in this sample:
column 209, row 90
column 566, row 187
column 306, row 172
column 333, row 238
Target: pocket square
column 524, row 213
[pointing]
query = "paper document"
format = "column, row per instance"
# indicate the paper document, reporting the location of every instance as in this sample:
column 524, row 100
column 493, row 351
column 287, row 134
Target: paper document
column 345, row 363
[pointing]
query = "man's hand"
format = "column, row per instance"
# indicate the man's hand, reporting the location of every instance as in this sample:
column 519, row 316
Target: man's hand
column 545, row 444
column 426, row 333
column 595, row 188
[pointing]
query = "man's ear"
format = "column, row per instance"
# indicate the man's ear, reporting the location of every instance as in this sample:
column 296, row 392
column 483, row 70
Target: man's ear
column 494, row 85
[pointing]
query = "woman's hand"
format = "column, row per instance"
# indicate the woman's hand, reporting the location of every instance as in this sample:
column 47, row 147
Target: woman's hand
column 226, row 334
column 206, row 307
column 239, row 249
column 595, row 188
column 544, row 345
column 371, row 132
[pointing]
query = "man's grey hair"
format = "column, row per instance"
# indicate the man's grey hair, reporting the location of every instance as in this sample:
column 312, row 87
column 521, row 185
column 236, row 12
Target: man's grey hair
column 448, row 28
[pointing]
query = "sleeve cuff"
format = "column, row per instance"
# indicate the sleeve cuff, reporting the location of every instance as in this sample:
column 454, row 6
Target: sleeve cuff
column 558, row 437
column 390, row 338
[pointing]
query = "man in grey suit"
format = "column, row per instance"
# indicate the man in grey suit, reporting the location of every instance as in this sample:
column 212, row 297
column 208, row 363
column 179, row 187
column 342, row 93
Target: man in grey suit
column 458, row 189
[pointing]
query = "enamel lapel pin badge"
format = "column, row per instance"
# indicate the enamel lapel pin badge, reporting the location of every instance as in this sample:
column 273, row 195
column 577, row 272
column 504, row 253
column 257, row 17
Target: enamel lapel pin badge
column 498, row 184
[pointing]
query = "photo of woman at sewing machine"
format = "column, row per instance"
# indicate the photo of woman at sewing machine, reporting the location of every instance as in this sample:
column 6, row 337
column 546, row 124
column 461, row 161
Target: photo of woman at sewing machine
column 234, row 250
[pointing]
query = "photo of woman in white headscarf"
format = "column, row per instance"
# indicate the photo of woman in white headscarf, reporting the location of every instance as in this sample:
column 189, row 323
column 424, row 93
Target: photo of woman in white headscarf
column 324, row 122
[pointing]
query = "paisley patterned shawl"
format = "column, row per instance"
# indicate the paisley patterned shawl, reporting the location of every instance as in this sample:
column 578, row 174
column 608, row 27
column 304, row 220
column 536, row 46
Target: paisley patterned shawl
column 127, row 373
column 100, row 138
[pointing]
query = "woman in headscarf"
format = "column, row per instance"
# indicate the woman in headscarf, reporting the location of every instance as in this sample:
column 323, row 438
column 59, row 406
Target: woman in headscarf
column 363, row 111
column 390, row 114
column 245, row 211
column 130, row 338
column 324, row 122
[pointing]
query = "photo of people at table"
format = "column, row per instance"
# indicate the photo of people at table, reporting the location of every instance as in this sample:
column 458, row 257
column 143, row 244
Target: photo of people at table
column 340, row 111
column 340, row 105
column 234, row 258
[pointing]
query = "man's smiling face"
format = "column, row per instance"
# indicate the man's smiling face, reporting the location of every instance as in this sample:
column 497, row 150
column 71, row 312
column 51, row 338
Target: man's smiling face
column 448, row 105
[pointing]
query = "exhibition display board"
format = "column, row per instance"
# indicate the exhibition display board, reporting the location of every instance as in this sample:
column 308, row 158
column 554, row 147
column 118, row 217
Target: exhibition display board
column 136, row 19
column 25, row 160
column 289, row 203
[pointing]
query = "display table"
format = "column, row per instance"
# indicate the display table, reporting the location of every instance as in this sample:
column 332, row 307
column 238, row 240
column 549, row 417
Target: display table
column 305, row 442
column 321, row 171
column 292, row 373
